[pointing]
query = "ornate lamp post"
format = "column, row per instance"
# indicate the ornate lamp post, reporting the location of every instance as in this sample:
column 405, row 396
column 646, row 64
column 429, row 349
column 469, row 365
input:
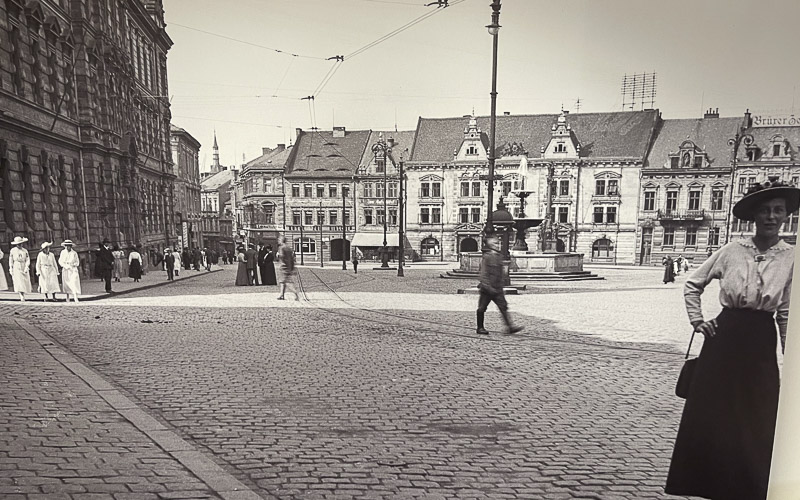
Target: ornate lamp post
column 493, row 28
column 381, row 151
column 320, row 218
column 733, row 142
column 344, row 232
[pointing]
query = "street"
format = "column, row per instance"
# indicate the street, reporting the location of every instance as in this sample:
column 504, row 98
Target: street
column 355, row 391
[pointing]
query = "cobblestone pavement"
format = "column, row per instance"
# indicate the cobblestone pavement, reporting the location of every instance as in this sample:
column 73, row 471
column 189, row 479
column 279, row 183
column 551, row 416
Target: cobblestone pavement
column 368, row 394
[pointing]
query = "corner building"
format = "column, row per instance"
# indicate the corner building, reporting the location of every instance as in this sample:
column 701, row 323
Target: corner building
column 84, row 128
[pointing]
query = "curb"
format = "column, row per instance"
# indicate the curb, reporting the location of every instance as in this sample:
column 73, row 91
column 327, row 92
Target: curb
column 209, row 472
column 105, row 295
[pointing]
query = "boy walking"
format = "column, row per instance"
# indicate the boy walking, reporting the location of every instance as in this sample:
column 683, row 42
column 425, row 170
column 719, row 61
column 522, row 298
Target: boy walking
column 491, row 286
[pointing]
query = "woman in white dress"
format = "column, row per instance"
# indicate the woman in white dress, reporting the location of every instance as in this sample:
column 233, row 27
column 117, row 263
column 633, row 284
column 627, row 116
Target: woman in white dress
column 19, row 263
column 47, row 271
column 70, row 264
column 3, row 282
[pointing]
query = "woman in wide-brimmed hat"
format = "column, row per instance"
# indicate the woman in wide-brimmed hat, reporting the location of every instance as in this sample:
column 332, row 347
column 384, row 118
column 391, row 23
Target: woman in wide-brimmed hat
column 19, row 263
column 724, row 444
column 70, row 264
column 47, row 271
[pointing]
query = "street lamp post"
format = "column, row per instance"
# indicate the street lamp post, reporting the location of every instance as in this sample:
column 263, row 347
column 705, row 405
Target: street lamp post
column 734, row 143
column 493, row 28
column 344, row 231
column 301, row 239
column 381, row 150
column 320, row 218
column 401, row 236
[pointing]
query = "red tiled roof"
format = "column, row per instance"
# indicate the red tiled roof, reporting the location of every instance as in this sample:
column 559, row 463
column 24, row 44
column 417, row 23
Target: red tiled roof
column 319, row 154
column 709, row 134
column 624, row 134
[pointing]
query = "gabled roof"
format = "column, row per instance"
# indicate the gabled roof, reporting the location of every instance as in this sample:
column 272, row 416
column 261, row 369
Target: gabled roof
column 402, row 140
column 271, row 159
column 320, row 154
column 217, row 180
column 762, row 137
column 709, row 134
column 175, row 130
column 625, row 134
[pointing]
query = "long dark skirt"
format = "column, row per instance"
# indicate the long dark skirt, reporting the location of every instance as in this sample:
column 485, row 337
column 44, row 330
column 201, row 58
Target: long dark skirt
column 135, row 270
column 242, row 275
column 724, row 444
column 268, row 274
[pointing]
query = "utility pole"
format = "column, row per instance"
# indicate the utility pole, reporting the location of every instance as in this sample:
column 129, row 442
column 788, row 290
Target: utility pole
column 301, row 239
column 320, row 219
column 401, row 235
column 344, row 232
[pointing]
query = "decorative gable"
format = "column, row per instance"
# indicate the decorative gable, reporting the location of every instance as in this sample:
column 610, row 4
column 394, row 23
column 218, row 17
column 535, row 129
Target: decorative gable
column 563, row 143
column 472, row 148
column 689, row 155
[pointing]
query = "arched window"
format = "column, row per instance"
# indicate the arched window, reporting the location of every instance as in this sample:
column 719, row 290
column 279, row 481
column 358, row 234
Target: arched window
column 468, row 244
column 429, row 246
column 602, row 249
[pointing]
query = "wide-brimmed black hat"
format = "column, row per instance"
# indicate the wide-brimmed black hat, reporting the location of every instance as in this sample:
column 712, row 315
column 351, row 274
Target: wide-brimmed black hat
column 761, row 192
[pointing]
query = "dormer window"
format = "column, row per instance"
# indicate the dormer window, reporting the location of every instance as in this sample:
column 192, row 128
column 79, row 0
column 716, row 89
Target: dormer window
column 560, row 148
column 776, row 150
column 472, row 150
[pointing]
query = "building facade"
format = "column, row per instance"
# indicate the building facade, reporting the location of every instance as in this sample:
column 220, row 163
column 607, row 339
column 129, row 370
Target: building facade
column 319, row 191
column 185, row 157
column 216, row 224
column 260, row 197
column 578, row 173
column 85, row 151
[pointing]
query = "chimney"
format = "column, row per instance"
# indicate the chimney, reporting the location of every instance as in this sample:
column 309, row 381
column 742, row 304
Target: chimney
column 338, row 131
column 265, row 150
column 280, row 147
column 390, row 142
column 711, row 113
column 506, row 113
column 748, row 122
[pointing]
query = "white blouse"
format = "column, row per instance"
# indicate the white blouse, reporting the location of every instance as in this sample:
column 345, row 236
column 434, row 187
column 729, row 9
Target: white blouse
column 134, row 256
column 748, row 278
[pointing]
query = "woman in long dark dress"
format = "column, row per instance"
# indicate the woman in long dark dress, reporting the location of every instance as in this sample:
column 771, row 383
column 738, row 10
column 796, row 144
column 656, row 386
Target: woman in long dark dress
column 268, row 269
column 242, row 278
column 724, row 445
column 135, row 265
column 669, row 269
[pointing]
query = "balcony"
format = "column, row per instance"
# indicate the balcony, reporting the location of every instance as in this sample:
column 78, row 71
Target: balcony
column 327, row 228
column 681, row 215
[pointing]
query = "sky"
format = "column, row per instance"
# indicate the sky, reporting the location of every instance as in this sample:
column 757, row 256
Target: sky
column 728, row 54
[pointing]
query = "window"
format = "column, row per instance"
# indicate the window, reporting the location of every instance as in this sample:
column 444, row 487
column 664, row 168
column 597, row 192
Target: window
column 563, row 188
column 309, row 245
column 713, row 236
column 332, row 191
column 694, row 200
column 333, row 217
column 436, row 215
column 380, row 216
column 392, row 216
column 611, row 215
column 463, row 215
column 320, row 217
column 368, row 216
column 367, row 190
column 267, row 185
column 379, row 190
column 649, row 200
column 674, row 162
column 776, row 150
column 669, row 237
column 598, row 215
column 424, row 215
column 269, row 214
column 691, row 237
column 436, row 189
column 716, row 199
column 602, row 249
column 795, row 181
column 553, row 188
column 672, row 201
column 296, row 217
column 320, row 191
column 346, row 191
column 506, row 187
column 563, row 214
column 392, row 190
column 790, row 226
column 600, row 187
column 295, row 190
column 308, row 218
column 425, row 190
column 346, row 218
column 465, row 189
column 476, row 188
column 560, row 148
column 551, row 214
column 476, row 214
column 613, row 187
column 742, row 185
column 380, row 165
column 472, row 150
column 307, row 190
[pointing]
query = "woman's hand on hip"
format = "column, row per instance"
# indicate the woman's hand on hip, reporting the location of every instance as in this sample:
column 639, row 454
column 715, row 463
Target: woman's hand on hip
column 707, row 328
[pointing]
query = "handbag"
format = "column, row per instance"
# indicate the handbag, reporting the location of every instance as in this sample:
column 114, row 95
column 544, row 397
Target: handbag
column 687, row 373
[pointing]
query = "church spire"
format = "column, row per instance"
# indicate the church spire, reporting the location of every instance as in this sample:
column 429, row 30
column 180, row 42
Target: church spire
column 215, row 167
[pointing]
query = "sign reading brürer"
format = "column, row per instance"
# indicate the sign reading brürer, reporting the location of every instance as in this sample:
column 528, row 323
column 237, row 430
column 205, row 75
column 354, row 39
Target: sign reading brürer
column 776, row 121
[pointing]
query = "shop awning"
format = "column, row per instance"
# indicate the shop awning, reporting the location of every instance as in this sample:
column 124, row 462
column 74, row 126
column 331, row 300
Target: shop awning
column 375, row 240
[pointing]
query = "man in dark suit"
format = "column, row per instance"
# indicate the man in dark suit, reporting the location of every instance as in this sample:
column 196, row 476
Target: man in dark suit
column 252, row 257
column 169, row 263
column 105, row 263
column 262, row 254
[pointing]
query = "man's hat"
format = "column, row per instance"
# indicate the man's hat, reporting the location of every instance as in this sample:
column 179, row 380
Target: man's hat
column 105, row 240
column 761, row 192
column 18, row 239
column 67, row 243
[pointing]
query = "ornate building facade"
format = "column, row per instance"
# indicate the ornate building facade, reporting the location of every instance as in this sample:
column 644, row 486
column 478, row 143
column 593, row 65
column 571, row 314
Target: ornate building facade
column 261, row 201
column 84, row 143
column 185, row 157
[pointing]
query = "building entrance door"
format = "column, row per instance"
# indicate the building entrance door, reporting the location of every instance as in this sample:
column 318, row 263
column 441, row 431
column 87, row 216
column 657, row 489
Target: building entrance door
column 647, row 245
